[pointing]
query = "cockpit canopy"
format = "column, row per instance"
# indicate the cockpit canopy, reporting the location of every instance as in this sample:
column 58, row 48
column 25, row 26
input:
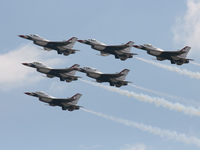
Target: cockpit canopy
column 37, row 63
column 34, row 35
column 92, row 40
column 95, row 41
column 40, row 92
column 149, row 45
column 90, row 68
column 37, row 37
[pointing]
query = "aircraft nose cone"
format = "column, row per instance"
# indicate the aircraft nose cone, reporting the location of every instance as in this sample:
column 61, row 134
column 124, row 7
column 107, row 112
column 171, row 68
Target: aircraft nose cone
column 136, row 46
column 81, row 41
column 26, row 64
column 28, row 93
column 75, row 68
column 22, row 36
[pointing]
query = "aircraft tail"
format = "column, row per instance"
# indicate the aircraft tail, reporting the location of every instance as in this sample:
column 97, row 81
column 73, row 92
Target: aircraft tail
column 72, row 40
column 124, row 74
column 186, row 49
column 76, row 98
column 74, row 68
column 130, row 45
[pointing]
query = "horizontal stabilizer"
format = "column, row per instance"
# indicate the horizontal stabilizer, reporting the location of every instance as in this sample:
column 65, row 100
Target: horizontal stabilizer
column 130, row 53
column 70, row 49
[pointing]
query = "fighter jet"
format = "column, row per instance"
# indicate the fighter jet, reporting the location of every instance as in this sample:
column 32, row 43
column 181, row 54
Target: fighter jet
column 121, row 52
column 66, row 104
column 176, row 57
column 64, row 47
column 64, row 74
column 114, row 79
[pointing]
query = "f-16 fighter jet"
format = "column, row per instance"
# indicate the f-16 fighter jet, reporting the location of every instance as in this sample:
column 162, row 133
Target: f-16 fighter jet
column 64, row 74
column 66, row 104
column 176, row 57
column 64, row 47
column 114, row 79
column 119, row 51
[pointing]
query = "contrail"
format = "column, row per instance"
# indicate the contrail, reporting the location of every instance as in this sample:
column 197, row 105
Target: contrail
column 155, row 100
column 191, row 74
column 191, row 102
column 195, row 63
column 154, row 130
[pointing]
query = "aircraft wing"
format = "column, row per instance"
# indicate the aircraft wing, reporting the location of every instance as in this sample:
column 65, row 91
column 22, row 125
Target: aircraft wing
column 111, row 75
column 62, row 70
column 61, row 100
column 69, row 50
column 74, row 49
column 130, row 53
column 75, row 76
column 117, row 47
column 60, row 43
column 103, row 54
column 75, row 105
column 187, row 59
column 172, row 53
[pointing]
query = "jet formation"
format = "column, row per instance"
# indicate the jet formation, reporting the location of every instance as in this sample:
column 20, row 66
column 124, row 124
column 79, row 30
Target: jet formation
column 121, row 52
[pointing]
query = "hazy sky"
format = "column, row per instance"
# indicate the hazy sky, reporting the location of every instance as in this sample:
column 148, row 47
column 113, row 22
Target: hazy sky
column 160, row 109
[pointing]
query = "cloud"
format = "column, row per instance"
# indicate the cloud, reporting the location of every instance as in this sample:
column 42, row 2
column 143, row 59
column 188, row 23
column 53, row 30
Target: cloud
column 138, row 146
column 186, row 29
column 173, row 135
column 14, row 74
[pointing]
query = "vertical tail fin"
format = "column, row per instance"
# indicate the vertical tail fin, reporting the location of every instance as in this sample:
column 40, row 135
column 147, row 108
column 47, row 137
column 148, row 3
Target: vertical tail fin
column 72, row 40
column 74, row 68
column 76, row 98
column 124, row 74
column 130, row 45
column 186, row 49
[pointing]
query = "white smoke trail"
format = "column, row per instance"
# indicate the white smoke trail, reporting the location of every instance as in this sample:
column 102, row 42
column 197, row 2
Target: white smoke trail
column 154, row 92
column 154, row 130
column 183, row 100
column 195, row 63
column 191, row 74
column 155, row 100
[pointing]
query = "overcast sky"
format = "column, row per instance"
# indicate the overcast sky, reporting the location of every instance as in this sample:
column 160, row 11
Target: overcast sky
column 160, row 109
